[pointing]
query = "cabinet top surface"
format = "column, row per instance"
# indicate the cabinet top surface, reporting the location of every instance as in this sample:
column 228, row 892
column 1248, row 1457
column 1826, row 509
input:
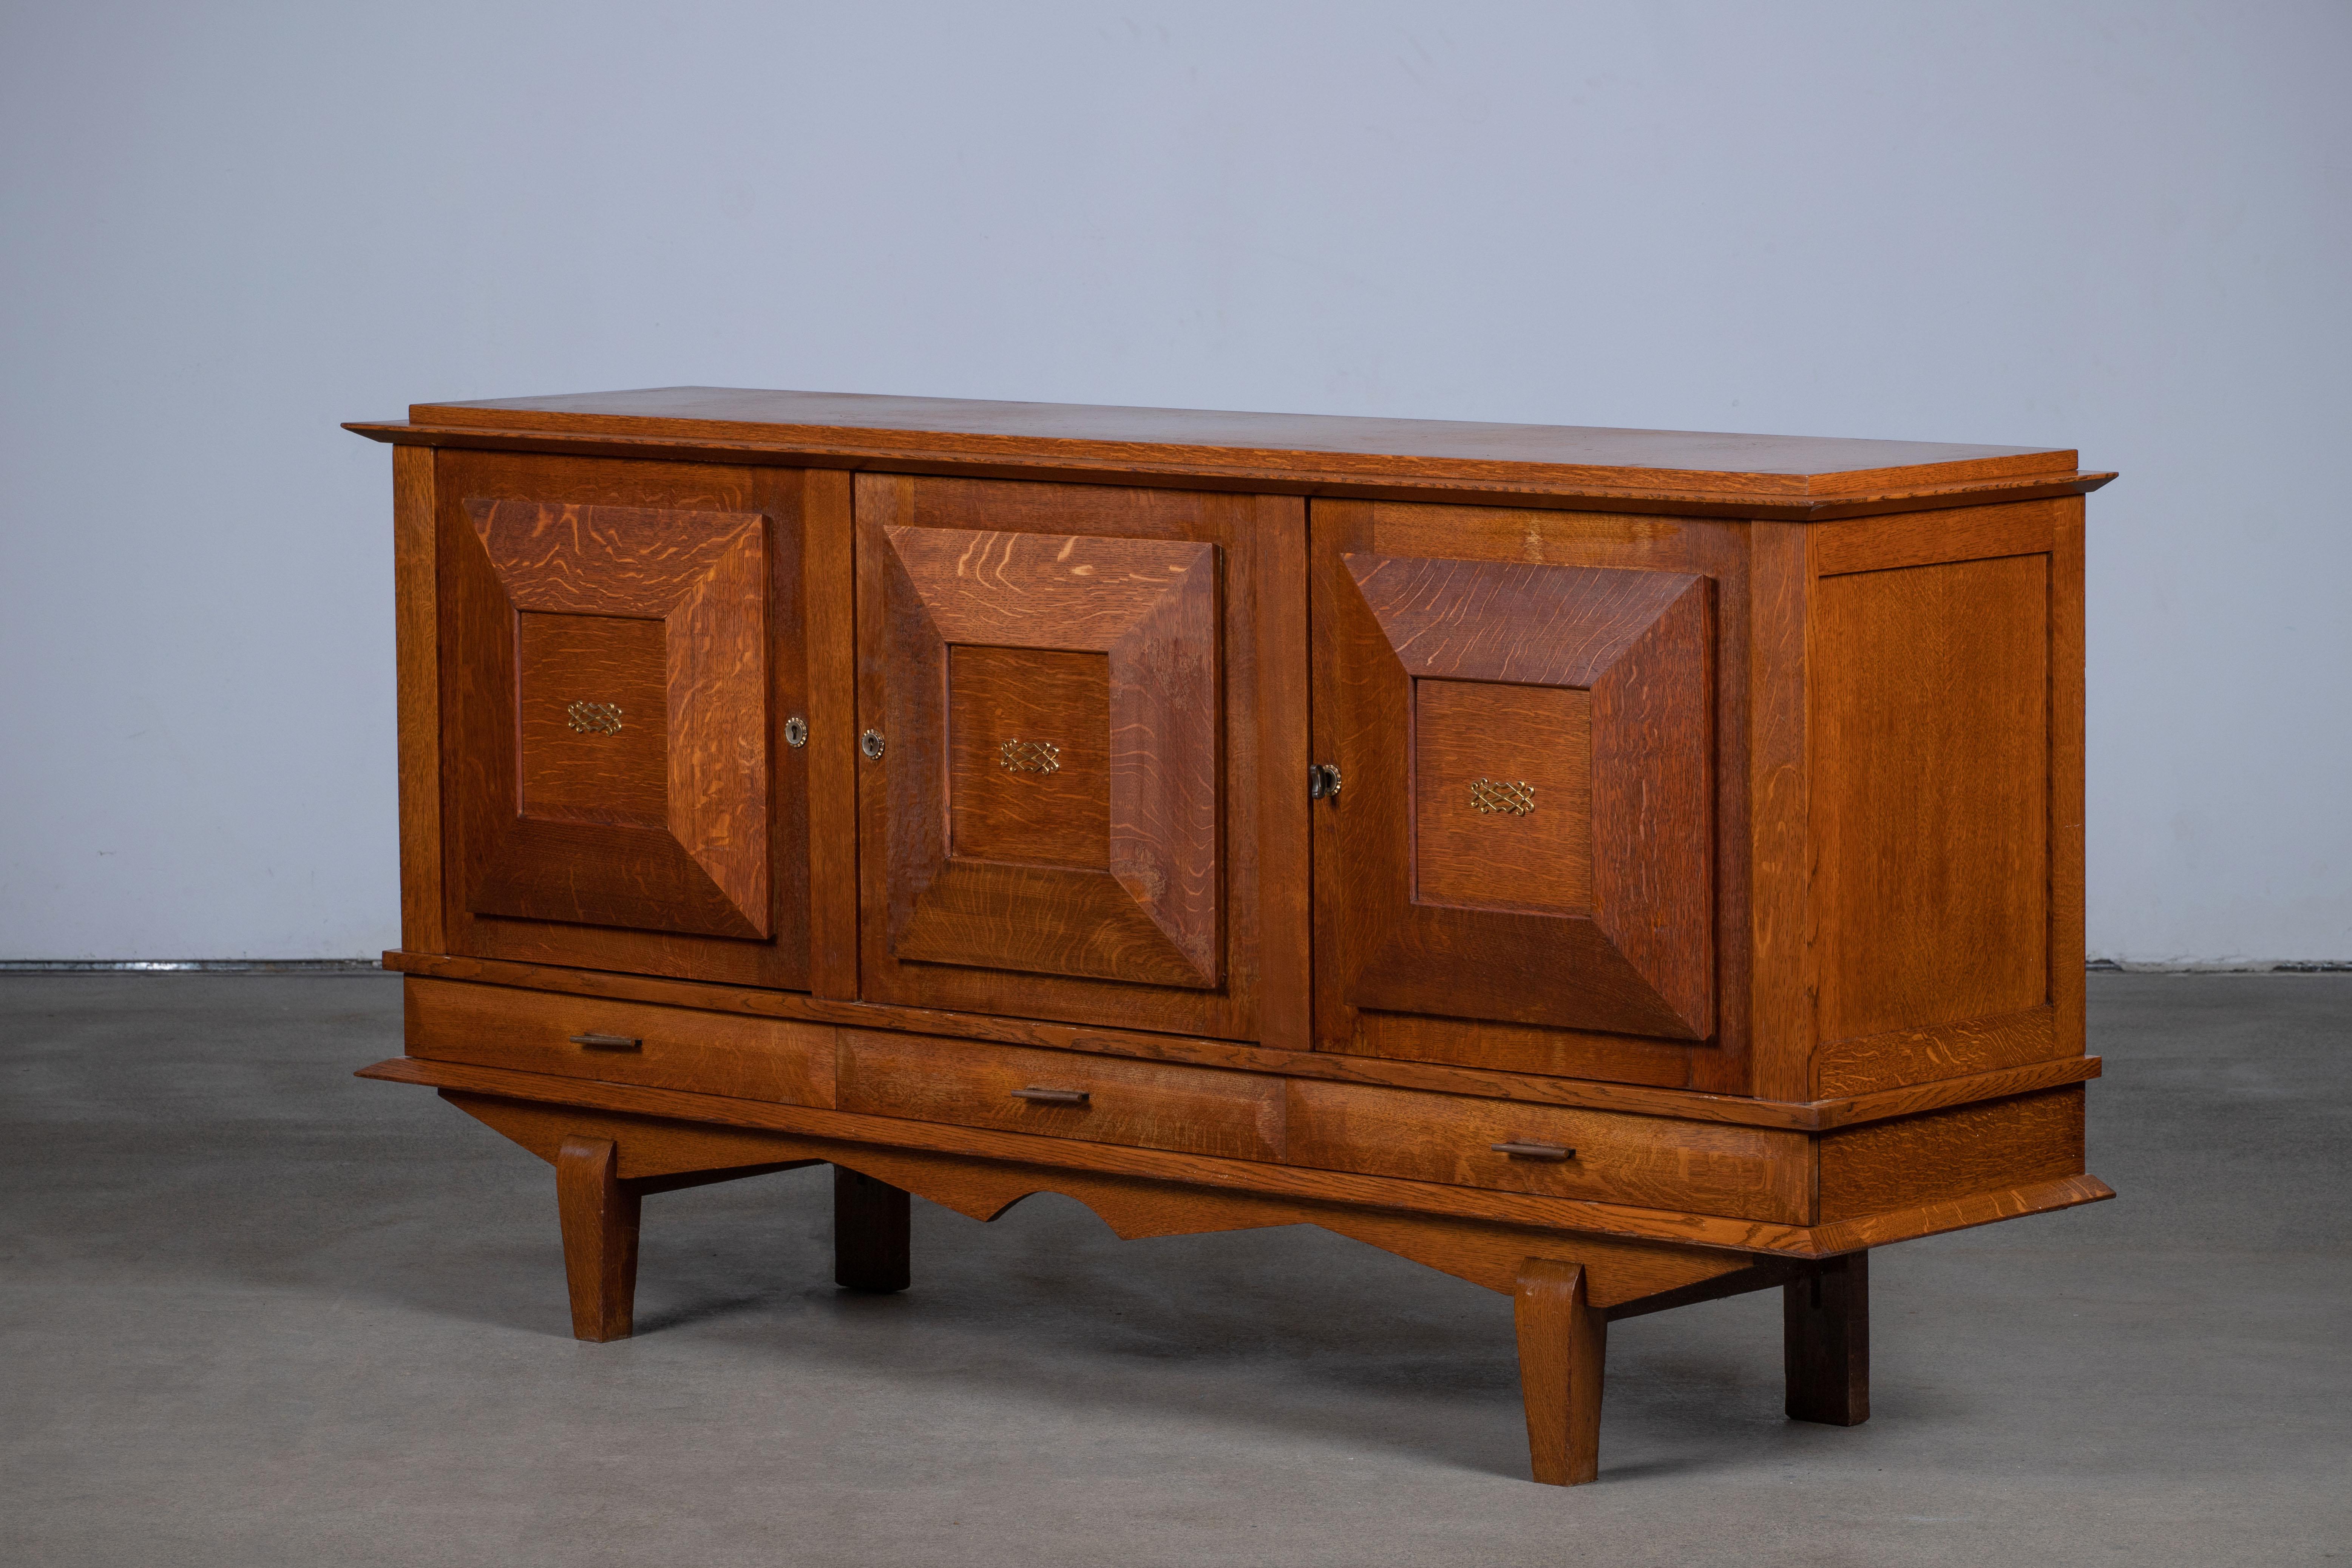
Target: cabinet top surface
column 1304, row 448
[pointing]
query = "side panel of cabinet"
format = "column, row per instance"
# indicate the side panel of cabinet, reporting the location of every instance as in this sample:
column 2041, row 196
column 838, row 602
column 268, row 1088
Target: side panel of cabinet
column 1089, row 800
column 620, row 646
column 1534, row 844
column 1945, row 695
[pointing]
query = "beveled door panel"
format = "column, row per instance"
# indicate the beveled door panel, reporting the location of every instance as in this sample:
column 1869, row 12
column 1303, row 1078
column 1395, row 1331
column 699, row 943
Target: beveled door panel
column 1524, row 830
column 622, row 641
column 1062, row 683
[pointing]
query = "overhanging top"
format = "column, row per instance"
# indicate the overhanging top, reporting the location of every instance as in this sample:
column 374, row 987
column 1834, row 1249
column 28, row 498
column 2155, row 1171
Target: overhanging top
column 1316, row 453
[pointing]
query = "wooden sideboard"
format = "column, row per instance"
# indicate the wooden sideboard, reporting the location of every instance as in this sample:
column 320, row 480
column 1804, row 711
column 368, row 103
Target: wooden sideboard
column 1618, row 868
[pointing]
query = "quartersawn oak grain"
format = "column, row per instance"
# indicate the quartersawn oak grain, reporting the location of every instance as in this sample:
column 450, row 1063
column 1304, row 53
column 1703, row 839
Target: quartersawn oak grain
column 1772, row 911
column 1812, row 1116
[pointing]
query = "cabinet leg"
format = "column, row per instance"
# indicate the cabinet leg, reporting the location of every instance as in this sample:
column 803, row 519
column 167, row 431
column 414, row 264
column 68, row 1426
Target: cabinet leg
column 1826, row 1323
column 1563, row 1341
column 600, row 1237
column 869, row 1233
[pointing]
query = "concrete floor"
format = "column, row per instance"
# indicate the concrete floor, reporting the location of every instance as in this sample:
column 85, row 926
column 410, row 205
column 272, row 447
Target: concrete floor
column 254, row 1311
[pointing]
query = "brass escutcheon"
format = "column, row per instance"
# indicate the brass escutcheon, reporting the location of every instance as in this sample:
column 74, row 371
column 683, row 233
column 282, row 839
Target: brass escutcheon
column 1516, row 797
column 596, row 718
column 1019, row 756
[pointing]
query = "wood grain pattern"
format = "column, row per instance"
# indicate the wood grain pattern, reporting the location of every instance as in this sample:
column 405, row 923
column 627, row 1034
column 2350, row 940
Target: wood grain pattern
column 1643, row 962
column 1484, row 853
column 1522, row 1050
column 713, row 1053
column 1485, row 1253
column 417, row 647
column 1291, row 1184
column 546, row 875
column 1148, row 608
column 600, row 1219
column 1747, row 1173
column 1874, row 1062
column 571, row 774
column 1825, row 1341
column 1812, row 1116
column 704, row 575
column 846, row 424
column 1340, row 1187
column 1971, row 534
column 1152, row 1105
column 1784, row 980
column 2066, row 808
column 1167, row 585
column 1931, row 714
column 1955, row 1214
column 830, row 795
column 1625, row 541
column 1563, row 1345
column 1000, row 695
column 1279, row 925
column 1919, row 1161
column 870, row 1233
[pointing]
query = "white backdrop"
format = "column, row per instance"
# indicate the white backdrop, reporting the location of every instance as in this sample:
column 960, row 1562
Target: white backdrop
column 2121, row 226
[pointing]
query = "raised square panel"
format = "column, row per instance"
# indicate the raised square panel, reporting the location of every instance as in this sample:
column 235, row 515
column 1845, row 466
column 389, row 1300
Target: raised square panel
column 1503, row 796
column 594, row 719
column 1089, row 705
column 1029, row 756
column 1573, row 704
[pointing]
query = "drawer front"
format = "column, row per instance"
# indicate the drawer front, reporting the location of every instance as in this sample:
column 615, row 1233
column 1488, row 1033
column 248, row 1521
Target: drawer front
column 1151, row 1105
column 1694, row 1167
column 674, row 1048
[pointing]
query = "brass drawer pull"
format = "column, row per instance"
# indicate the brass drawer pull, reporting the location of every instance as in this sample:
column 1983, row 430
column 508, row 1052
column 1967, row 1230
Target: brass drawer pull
column 1052, row 1096
column 1534, row 1151
column 608, row 1042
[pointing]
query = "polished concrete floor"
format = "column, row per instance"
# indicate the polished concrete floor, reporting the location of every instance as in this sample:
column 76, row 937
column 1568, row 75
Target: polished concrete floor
column 254, row 1311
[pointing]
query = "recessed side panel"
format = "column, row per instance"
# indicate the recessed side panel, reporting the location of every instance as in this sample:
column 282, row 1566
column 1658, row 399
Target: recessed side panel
column 1932, row 721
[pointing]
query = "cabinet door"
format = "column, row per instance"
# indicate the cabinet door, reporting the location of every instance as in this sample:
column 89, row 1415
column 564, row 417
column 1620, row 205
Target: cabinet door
column 1523, row 829
column 1067, row 687
column 620, row 651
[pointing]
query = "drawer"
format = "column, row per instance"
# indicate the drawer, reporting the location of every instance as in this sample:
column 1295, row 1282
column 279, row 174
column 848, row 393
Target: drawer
column 1696, row 1167
column 676, row 1047
column 1151, row 1105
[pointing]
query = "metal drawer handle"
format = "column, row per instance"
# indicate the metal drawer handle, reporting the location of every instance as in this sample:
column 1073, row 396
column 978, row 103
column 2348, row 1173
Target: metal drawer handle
column 608, row 1042
column 1533, row 1151
column 1052, row 1096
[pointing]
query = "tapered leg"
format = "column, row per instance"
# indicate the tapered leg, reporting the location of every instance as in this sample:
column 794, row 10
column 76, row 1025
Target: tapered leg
column 869, row 1233
column 1825, row 1322
column 1563, row 1341
column 600, row 1237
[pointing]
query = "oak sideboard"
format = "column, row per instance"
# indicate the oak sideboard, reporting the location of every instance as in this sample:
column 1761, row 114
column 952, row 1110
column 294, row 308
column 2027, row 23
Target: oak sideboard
column 1618, row 868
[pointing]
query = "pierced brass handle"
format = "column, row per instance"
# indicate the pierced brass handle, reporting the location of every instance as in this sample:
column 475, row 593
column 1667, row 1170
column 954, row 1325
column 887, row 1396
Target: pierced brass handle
column 608, row 1042
column 1533, row 1151
column 1020, row 756
column 594, row 718
column 1052, row 1096
column 1506, row 797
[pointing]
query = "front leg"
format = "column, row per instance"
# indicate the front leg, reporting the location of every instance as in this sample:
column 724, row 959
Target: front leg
column 600, row 1237
column 1563, row 1339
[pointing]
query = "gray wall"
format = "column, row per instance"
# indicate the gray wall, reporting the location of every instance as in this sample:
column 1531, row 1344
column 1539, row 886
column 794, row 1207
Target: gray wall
column 2116, row 226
